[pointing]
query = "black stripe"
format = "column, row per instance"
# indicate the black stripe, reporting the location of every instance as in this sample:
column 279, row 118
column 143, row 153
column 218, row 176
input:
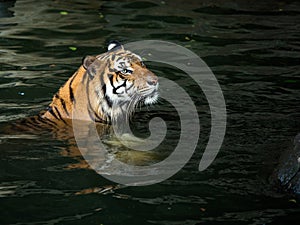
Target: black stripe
column 42, row 121
column 94, row 116
column 121, row 75
column 59, row 115
column 103, row 90
column 71, row 89
column 122, row 85
column 28, row 122
column 50, row 110
column 112, row 84
column 111, row 81
column 91, row 114
column 71, row 93
column 45, row 120
column 98, row 119
column 30, row 125
column 108, row 100
column 50, row 121
column 63, row 103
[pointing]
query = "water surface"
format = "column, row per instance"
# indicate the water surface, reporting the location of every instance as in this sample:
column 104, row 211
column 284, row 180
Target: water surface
column 252, row 48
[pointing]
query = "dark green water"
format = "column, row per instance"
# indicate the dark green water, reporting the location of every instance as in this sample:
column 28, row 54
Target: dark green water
column 252, row 48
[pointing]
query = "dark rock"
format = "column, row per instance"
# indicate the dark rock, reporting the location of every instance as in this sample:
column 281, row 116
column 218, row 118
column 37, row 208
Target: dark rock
column 287, row 173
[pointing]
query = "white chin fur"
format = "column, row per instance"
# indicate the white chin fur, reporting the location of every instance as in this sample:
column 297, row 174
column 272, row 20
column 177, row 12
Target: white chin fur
column 151, row 99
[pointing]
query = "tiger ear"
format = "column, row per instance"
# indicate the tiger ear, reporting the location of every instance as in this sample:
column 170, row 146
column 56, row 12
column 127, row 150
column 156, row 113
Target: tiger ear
column 87, row 61
column 114, row 45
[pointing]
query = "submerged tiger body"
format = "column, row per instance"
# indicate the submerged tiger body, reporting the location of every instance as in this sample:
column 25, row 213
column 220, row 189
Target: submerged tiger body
column 106, row 88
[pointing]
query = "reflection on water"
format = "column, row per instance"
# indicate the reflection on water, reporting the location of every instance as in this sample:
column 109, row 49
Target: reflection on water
column 253, row 49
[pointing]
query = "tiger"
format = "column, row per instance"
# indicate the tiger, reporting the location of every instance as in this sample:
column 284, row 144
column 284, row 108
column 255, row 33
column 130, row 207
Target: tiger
column 105, row 88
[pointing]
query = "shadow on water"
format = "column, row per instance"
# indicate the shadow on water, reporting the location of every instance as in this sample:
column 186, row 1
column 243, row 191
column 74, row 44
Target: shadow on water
column 252, row 48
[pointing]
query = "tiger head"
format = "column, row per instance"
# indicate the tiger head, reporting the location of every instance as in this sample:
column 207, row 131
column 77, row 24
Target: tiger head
column 121, row 81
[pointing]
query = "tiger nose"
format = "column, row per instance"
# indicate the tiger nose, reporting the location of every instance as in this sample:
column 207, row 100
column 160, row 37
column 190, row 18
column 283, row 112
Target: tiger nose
column 152, row 80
